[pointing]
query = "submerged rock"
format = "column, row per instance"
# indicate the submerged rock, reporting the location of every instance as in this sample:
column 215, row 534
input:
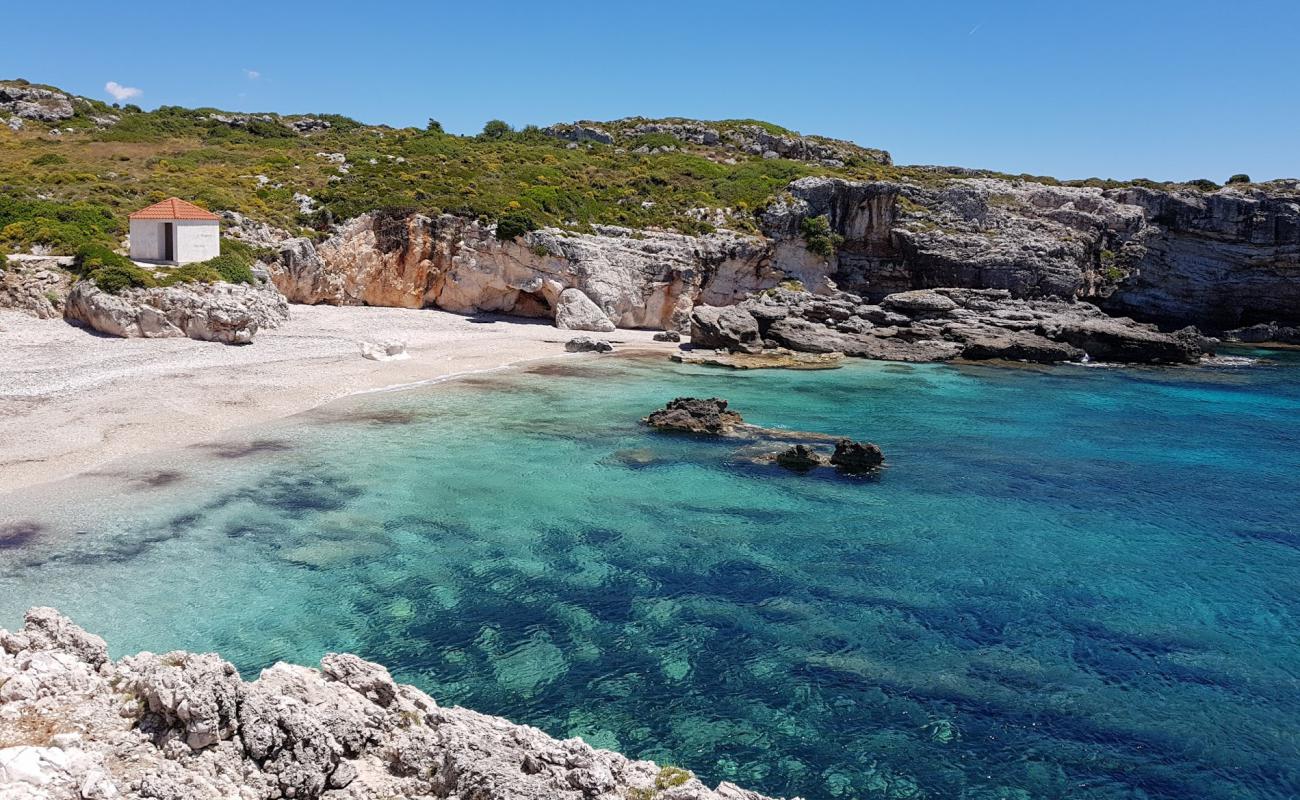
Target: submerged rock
column 779, row 358
column 800, row 458
column 187, row 726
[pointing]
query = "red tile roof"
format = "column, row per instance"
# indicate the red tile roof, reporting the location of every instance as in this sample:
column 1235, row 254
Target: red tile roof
column 174, row 208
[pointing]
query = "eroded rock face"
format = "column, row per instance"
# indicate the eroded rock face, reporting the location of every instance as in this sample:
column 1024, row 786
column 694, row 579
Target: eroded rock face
column 1223, row 259
column 636, row 279
column 1217, row 259
column 186, row 727
column 219, row 312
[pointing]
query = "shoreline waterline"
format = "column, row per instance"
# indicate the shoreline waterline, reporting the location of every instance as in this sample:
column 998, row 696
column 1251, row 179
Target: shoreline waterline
column 71, row 402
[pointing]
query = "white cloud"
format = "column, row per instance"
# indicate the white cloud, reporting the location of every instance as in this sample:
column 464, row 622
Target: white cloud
column 120, row 92
column 252, row 74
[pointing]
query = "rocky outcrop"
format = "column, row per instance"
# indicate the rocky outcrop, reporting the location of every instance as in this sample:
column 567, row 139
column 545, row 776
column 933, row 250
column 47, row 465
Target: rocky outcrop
column 696, row 415
column 636, row 279
column 185, row 726
column 736, row 139
column 1215, row 259
column 219, row 312
column 35, row 103
column 941, row 324
column 34, row 284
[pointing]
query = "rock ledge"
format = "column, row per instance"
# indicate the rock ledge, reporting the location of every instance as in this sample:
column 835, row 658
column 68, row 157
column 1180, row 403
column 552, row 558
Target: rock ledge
column 185, row 726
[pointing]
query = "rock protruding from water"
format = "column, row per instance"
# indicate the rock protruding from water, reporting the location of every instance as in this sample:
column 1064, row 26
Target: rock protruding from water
column 851, row 456
column 795, row 450
column 696, row 415
column 938, row 325
column 186, row 725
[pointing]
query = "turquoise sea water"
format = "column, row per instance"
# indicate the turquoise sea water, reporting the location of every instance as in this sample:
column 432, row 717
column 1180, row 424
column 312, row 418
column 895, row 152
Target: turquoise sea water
column 1069, row 582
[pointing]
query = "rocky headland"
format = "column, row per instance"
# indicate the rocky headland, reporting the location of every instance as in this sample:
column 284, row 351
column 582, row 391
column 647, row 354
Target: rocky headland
column 1066, row 257
column 186, row 726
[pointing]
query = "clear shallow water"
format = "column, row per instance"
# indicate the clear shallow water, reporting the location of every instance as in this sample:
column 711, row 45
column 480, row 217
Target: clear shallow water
column 1070, row 582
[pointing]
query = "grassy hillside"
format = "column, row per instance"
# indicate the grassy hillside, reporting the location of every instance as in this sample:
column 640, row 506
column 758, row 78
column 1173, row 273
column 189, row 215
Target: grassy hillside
column 76, row 187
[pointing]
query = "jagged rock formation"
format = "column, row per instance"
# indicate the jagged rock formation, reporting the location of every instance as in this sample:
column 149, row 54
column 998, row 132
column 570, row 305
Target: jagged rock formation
column 35, row 103
column 219, row 312
column 1223, row 259
column 185, row 726
column 636, row 279
column 1217, row 259
column 937, row 325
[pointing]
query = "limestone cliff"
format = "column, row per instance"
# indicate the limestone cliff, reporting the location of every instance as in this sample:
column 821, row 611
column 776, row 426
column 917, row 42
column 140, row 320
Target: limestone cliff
column 647, row 279
column 1219, row 259
column 75, row 725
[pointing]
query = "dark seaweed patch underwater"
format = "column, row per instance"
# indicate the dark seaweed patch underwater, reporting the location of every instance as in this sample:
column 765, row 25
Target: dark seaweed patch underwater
column 1070, row 583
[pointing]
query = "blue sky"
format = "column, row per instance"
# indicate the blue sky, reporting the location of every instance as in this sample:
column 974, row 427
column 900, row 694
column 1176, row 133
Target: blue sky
column 1143, row 88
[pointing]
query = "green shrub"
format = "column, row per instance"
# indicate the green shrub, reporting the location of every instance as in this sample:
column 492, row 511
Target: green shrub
column 1240, row 177
column 1204, row 184
column 818, row 236
column 91, row 257
column 201, row 272
column 49, row 160
column 513, row 225
column 232, row 269
column 113, row 279
column 433, row 126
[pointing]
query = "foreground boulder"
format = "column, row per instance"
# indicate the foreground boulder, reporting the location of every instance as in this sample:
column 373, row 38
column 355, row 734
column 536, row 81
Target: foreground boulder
column 576, row 312
column 938, row 325
column 218, row 312
column 186, row 726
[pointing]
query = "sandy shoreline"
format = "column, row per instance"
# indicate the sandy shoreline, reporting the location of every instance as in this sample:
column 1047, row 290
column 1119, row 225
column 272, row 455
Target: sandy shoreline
column 71, row 400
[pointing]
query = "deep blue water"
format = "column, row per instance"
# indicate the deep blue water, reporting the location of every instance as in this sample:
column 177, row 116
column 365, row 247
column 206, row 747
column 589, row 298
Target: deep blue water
column 1069, row 582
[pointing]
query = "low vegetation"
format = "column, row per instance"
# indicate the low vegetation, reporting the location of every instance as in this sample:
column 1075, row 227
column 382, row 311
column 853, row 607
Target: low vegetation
column 61, row 192
column 818, row 236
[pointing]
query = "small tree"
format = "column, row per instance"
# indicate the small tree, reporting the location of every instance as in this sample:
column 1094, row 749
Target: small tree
column 495, row 129
column 1240, row 177
column 818, row 236
column 434, row 126
column 513, row 225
